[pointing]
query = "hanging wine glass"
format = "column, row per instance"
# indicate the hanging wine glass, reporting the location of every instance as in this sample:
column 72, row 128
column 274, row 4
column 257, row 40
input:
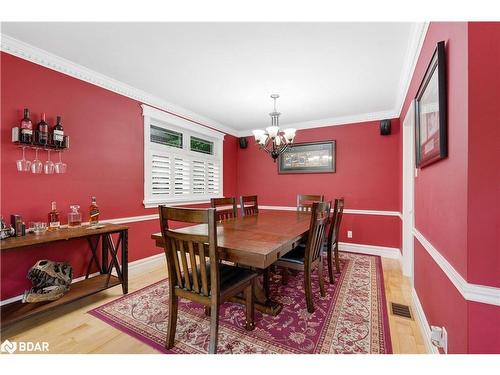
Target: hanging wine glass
column 37, row 165
column 23, row 165
column 49, row 166
column 60, row 166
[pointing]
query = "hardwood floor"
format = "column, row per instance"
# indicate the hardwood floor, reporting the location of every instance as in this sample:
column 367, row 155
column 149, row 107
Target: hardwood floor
column 70, row 329
column 405, row 333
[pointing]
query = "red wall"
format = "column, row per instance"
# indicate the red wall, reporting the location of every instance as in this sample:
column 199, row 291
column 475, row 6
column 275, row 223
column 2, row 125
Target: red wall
column 484, row 154
column 457, row 199
column 367, row 176
column 105, row 160
column 484, row 181
column 441, row 301
column 441, row 187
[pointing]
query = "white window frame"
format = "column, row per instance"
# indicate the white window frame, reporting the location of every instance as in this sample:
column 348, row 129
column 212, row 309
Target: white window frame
column 156, row 117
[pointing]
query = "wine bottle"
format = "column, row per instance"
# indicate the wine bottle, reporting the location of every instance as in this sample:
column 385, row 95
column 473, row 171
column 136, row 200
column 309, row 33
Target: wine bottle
column 93, row 212
column 26, row 127
column 58, row 133
column 43, row 131
column 54, row 222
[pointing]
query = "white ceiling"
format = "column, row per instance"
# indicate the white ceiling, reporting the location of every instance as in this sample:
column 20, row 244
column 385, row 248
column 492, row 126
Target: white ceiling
column 326, row 73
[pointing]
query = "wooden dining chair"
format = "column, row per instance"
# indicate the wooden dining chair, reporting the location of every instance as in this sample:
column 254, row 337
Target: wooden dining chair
column 309, row 258
column 332, row 243
column 207, row 281
column 304, row 202
column 229, row 212
column 249, row 205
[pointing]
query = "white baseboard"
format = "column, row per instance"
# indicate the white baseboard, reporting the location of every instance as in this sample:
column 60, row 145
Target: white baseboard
column 384, row 252
column 423, row 324
column 154, row 260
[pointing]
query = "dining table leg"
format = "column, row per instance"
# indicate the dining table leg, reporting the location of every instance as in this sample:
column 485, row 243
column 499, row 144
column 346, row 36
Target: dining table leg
column 262, row 299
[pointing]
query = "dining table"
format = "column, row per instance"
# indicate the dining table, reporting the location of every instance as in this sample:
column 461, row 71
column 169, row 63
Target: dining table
column 256, row 241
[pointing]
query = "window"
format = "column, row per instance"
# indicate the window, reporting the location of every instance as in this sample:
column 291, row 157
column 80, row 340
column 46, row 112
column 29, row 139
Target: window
column 165, row 137
column 202, row 145
column 182, row 160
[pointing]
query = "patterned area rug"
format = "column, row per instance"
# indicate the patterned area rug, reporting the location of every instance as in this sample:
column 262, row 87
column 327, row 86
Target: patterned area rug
column 351, row 318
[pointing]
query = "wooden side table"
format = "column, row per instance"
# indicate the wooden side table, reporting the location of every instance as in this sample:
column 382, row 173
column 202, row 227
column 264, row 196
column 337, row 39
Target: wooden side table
column 17, row 311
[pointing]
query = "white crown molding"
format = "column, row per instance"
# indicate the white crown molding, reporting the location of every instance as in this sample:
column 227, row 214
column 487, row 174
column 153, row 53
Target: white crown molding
column 424, row 325
column 49, row 60
column 334, row 121
column 415, row 44
column 471, row 292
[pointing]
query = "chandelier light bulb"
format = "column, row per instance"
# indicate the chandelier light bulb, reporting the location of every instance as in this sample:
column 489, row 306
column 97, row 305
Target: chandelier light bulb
column 289, row 134
column 273, row 131
column 258, row 134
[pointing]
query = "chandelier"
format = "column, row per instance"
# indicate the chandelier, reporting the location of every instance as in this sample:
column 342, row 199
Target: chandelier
column 273, row 140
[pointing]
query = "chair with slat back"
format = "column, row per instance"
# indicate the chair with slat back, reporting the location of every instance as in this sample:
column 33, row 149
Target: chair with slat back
column 229, row 212
column 194, row 271
column 305, row 202
column 332, row 243
column 249, row 205
column 309, row 258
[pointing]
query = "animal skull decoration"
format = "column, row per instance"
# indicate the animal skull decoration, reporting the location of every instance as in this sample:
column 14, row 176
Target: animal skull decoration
column 50, row 281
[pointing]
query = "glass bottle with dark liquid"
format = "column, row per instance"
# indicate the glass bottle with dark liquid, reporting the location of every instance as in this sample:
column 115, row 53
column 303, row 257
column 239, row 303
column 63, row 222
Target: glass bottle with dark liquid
column 26, row 127
column 58, row 133
column 43, row 131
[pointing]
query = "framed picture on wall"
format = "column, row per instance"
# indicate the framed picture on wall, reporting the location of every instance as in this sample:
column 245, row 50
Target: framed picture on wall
column 431, row 135
column 311, row 157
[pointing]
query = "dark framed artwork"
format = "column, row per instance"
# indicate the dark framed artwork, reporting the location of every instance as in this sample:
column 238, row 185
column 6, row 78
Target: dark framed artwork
column 431, row 133
column 311, row 157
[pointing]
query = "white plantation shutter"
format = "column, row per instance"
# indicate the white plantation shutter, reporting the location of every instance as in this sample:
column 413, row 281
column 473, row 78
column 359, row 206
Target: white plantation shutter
column 161, row 178
column 213, row 177
column 182, row 177
column 182, row 163
column 199, row 176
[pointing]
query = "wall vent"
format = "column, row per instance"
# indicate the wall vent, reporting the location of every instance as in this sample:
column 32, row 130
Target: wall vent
column 401, row 310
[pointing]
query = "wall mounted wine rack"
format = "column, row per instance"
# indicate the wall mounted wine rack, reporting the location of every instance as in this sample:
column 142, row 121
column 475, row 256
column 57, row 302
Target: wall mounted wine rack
column 36, row 144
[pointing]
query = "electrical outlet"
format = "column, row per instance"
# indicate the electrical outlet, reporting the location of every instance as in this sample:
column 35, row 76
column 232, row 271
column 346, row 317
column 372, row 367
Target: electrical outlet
column 439, row 338
column 349, row 234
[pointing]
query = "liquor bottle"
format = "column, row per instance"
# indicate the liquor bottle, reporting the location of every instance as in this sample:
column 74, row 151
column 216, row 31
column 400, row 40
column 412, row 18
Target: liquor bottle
column 93, row 212
column 43, row 131
column 54, row 222
column 26, row 127
column 58, row 133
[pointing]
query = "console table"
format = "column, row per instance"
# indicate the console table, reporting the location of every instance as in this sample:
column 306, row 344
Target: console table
column 17, row 311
